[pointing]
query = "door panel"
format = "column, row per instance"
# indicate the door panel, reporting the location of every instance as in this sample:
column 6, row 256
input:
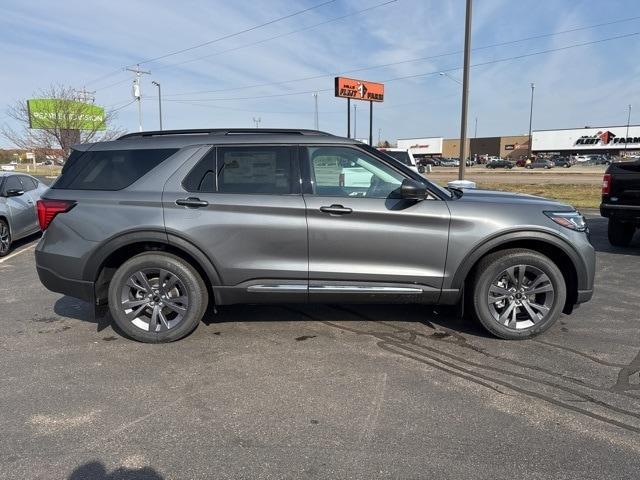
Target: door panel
column 364, row 247
column 256, row 241
column 21, row 209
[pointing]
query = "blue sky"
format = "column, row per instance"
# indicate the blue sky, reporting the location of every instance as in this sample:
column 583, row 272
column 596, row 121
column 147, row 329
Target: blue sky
column 79, row 43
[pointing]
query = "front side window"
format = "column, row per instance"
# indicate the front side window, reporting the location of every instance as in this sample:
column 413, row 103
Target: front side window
column 256, row 170
column 12, row 183
column 349, row 172
column 28, row 183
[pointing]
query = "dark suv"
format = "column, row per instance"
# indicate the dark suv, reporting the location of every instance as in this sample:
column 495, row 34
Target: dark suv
column 161, row 224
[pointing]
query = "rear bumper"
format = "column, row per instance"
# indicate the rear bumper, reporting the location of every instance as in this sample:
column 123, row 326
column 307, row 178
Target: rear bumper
column 622, row 212
column 67, row 286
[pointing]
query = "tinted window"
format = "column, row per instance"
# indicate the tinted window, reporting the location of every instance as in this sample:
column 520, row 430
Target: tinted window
column 202, row 177
column 12, row 183
column 400, row 156
column 267, row 170
column 28, row 183
column 348, row 172
column 108, row 169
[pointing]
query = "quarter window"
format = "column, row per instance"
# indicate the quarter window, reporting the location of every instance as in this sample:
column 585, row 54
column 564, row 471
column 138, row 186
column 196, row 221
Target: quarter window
column 349, row 172
column 202, row 178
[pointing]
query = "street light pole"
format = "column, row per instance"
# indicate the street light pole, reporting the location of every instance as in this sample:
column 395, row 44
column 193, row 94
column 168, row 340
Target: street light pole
column 355, row 120
column 315, row 118
column 627, row 135
column 533, row 86
column 157, row 84
column 465, row 91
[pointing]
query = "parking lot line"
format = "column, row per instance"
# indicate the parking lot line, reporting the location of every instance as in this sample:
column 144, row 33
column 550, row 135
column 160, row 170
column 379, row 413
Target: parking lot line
column 15, row 254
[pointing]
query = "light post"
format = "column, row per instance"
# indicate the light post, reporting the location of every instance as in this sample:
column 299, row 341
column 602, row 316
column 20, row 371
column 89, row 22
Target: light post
column 533, row 86
column 379, row 135
column 157, row 84
column 465, row 91
column 627, row 135
column 355, row 121
column 316, row 123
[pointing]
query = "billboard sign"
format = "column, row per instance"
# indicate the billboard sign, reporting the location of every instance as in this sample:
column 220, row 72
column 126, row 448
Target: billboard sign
column 48, row 113
column 359, row 89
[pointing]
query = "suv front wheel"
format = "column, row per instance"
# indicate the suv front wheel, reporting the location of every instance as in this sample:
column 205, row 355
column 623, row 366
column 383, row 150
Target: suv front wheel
column 518, row 293
column 157, row 297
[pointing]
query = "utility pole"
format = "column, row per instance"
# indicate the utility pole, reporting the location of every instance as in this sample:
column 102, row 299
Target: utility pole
column 137, row 93
column 475, row 130
column 157, row 84
column 257, row 121
column 379, row 135
column 316, row 123
column 627, row 135
column 533, row 86
column 465, row 92
column 355, row 120
column 85, row 95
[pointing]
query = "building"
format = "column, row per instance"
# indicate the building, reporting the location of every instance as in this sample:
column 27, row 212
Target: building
column 615, row 140
column 513, row 146
column 422, row 147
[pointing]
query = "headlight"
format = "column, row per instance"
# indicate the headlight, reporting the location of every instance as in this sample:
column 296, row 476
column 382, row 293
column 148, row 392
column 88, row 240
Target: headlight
column 572, row 220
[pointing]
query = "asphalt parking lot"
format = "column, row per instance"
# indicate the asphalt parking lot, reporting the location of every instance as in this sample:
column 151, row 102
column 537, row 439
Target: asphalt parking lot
column 322, row 392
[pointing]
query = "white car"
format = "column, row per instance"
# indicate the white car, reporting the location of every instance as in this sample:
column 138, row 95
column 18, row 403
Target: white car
column 582, row 158
column 403, row 156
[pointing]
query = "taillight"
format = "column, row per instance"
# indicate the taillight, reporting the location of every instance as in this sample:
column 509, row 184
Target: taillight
column 606, row 184
column 48, row 209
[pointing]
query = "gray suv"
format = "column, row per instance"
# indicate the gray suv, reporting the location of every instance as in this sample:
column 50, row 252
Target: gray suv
column 160, row 225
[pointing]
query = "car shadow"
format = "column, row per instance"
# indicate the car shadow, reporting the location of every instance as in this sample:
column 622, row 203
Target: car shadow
column 96, row 470
column 600, row 241
column 433, row 317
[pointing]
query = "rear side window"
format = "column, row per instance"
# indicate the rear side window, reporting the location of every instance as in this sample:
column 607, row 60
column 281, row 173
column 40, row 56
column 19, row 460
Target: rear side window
column 259, row 169
column 108, row 169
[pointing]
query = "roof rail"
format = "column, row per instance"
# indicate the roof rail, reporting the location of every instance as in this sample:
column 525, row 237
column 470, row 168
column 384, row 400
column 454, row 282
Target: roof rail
column 224, row 131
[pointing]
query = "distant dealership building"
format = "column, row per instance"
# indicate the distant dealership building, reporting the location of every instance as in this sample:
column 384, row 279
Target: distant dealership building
column 615, row 140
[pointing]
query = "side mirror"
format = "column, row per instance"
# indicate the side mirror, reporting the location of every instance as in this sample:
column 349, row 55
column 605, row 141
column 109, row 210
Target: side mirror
column 412, row 190
column 14, row 192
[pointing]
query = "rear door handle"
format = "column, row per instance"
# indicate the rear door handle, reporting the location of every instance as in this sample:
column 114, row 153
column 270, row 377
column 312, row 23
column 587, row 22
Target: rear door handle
column 336, row 210
column 192, row 202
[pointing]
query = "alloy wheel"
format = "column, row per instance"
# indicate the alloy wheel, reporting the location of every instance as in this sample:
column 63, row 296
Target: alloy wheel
column 154, row 300
column 5, row 238
column 520, row 297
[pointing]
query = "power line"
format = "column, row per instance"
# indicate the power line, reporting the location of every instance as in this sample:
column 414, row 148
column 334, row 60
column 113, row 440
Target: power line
column 264, row 40
column 384, row 65
column 435, row 72
column 235, row 34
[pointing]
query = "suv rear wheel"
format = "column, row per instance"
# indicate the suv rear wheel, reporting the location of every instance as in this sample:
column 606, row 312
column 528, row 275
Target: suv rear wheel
column 620, row 234
column 518, row 293
column 157, row 297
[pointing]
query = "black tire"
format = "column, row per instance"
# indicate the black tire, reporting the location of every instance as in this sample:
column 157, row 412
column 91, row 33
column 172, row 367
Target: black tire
column 620, row 234
column 5, row 238
column 489, row 270
column 189, row 285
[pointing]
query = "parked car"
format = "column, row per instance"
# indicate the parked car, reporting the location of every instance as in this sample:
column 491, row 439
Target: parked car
column 560, row 161
column 404, row 156
column 582, row 158
column 598, row 160
column 500, row 164
column 621, row 201
column 158, row 225
column 449, row 162
column 18, row 216
column 540, row 163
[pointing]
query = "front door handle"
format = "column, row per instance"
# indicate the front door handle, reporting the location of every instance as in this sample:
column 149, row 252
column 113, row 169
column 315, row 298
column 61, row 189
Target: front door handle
column 336, row 210
column 192, row 202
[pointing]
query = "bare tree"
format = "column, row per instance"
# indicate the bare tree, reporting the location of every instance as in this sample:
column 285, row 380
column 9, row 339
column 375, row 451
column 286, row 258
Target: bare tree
column 66, row 124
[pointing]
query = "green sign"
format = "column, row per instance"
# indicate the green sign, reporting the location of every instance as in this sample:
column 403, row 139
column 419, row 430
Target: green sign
column 50, row 113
